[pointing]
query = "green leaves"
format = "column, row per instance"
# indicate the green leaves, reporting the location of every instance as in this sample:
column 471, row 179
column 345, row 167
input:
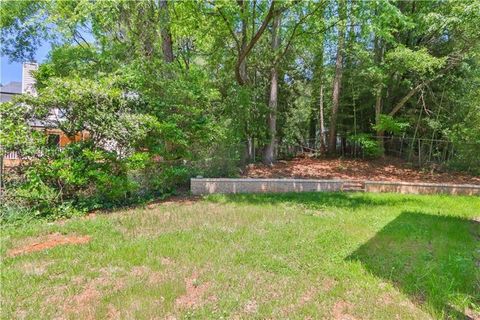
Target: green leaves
column 22, row 29
column 403, row 59
column 16, row 134
column 367, row 143
column 388, row 124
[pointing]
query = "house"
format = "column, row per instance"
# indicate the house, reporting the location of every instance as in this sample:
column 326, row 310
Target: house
column 49, row 125
column 10, row 90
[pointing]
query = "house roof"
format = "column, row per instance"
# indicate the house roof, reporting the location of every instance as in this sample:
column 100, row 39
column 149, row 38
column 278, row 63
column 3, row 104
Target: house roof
column 12, row 87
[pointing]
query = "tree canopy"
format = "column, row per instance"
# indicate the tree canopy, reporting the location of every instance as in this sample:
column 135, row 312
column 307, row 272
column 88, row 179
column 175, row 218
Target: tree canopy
column 181, row 80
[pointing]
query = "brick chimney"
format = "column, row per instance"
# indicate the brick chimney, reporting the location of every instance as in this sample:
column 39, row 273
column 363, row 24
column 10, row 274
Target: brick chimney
column 28, row 81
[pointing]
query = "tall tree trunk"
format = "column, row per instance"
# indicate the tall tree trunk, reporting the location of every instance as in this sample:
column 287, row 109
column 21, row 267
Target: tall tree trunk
column 243, row 45
column 167, row 47
column 269, row 152
column 243, row 73
column 320, row 141
column 379, row 52
column 321, row 122
column 337, row 81
column 378, row 113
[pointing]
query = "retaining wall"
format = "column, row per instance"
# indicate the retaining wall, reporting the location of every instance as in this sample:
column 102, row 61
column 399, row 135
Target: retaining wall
column 201, row 186
column 208, row 186
column 422, row 188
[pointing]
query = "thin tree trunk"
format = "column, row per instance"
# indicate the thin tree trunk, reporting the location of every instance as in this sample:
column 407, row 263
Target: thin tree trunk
column 415, row 134
column 419, row 87
column 378, row 113
column 243, row 45
column 337, row 81
column 407, row 97
column 317, row 110
column 167, row 47
column 250, row 149
column 379, row 52
column 243, row 71
column 269, row 153
column 321, row 121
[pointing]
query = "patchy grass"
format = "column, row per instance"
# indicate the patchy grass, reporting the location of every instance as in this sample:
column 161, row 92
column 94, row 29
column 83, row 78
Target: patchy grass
column 309, row 255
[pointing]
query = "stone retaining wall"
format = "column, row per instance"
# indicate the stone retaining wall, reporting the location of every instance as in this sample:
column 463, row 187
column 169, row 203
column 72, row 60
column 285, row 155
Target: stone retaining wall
column 422, row 188
column 209, row 186
column 200, row 186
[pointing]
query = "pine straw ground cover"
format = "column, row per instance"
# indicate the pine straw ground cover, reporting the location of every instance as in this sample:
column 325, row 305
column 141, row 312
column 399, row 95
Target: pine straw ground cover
column 382, row 169
column 311, row 255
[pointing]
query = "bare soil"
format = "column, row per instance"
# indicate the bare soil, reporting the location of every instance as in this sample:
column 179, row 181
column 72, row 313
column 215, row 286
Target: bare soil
column 194, row 292
column 387, row 169
column 46, row 242
column 340, row 311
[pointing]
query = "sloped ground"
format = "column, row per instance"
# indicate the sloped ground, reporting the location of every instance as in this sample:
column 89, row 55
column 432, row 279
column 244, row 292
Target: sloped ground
column 388, row 169
column 275, row 256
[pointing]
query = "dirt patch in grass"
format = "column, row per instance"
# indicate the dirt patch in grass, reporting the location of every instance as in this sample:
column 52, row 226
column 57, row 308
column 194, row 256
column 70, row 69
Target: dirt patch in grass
column 308, row 296
column 112, row 312
column 165, row 261
column 150, row 276
column 251, row 307
column 472, row 314
column 194, row 293
column 84, row 303
column 387, row 169
column 386, row 299
column 328, row 284
column 341, row 311
column 46, row 242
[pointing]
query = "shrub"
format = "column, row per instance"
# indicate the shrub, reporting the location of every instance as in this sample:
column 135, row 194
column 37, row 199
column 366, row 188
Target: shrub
column 369, row 145
column 389, row 124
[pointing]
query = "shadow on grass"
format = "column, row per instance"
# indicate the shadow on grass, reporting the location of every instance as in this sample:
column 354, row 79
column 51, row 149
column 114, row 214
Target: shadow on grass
column 315, row 200
column 433, row 259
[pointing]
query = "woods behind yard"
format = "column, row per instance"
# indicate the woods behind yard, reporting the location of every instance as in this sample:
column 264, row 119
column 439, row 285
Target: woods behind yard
column 166, row 90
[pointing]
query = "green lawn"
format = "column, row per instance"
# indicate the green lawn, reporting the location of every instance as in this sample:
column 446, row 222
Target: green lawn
column 310, row 255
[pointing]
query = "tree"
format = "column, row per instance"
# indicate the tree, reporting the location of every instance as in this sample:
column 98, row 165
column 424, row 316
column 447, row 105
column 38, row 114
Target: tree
column 269, row 153
column 165, row 32
column 202, row 80
column 337, row 81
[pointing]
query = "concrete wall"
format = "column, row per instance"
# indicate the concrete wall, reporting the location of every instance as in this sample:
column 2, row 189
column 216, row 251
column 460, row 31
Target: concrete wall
column 208, row 186
column 421, row 188
column 200, row 186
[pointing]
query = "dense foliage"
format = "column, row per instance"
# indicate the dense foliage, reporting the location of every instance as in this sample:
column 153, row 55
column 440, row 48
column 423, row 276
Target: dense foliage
column 171, row 89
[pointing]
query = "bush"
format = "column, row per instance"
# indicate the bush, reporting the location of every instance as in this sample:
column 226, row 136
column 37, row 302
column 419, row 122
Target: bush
column 82, row 177
column 139, row 146
column 387, row 123
column 369, row 144
column 466, row 157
